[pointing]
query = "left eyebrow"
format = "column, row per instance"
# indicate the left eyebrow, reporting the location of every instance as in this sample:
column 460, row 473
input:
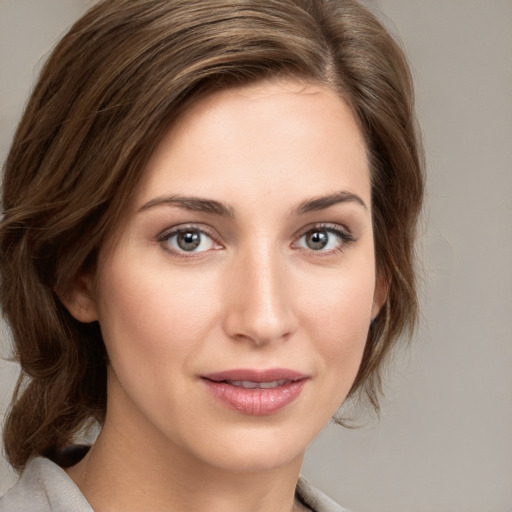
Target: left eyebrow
column 323, row 202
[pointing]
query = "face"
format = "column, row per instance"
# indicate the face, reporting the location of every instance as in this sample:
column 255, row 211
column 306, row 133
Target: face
column 236, row 300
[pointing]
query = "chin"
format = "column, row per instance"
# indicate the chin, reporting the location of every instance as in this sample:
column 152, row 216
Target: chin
column 256, row 461
column 257, row 450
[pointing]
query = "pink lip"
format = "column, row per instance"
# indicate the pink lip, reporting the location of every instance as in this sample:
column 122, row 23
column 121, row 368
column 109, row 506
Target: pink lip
column 255, row 401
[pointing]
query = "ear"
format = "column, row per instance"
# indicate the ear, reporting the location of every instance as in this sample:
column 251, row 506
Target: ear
column 79, row 299
column 379, row 295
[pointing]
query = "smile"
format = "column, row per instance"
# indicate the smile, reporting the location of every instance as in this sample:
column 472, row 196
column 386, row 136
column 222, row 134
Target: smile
column 253, row 392
column 247, row 384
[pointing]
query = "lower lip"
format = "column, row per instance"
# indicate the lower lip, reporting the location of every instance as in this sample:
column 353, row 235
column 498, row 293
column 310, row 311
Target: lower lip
column 258, row 401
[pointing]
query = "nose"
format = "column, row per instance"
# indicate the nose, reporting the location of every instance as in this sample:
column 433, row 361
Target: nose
column 259, row 299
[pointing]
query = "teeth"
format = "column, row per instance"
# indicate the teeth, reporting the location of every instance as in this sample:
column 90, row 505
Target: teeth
column 247, row 384
column 244, row 384
column 273, row 384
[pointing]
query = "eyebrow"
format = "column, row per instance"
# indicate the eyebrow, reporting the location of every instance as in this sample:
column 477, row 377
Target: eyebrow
column 196, row 204
column 199, row 204
column 323, row 202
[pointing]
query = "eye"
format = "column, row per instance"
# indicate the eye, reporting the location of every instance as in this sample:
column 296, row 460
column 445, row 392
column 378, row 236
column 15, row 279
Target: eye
column 187, row 240
column 324, row 239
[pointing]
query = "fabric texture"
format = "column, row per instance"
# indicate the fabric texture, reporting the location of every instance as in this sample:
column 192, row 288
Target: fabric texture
column 46, row 487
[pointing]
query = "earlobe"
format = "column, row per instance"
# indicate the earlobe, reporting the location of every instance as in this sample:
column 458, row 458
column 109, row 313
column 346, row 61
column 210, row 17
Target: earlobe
column 379, row 296
column 79, row 300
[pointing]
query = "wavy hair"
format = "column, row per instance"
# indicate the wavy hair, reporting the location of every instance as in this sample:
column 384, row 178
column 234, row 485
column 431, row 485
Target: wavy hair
column 106, row 96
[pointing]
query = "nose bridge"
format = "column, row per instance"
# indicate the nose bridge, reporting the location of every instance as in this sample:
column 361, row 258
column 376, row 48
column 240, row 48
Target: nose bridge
column 260, row 305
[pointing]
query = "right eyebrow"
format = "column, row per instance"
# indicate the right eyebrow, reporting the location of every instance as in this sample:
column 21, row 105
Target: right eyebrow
column 324, row 202
column 196, row 204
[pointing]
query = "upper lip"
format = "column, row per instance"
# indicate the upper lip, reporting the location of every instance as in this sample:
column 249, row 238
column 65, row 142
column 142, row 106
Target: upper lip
column 254, row 375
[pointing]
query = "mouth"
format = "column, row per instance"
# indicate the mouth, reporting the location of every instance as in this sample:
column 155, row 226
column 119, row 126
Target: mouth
column 255, row 392
column 248, row 384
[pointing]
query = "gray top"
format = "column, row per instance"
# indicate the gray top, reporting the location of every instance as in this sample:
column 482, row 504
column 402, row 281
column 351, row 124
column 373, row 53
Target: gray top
column 46, row 487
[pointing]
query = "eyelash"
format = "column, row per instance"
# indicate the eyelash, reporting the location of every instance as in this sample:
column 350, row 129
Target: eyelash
column 345, row 238
column 167, row 235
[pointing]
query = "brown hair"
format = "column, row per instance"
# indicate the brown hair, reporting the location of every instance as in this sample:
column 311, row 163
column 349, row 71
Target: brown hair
column 105, row 98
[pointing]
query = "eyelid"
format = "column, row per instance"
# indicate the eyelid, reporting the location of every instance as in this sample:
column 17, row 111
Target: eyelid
column 168, row 233
column 328, row 226
column 345, row 235
column 165, row 233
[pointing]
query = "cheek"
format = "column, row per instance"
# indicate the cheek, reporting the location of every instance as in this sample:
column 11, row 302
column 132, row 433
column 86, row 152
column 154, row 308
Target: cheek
column 151, row 312
column 340, row 309
column 338, row 321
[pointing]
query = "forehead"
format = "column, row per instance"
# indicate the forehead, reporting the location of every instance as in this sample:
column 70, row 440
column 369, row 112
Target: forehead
column 260, row 138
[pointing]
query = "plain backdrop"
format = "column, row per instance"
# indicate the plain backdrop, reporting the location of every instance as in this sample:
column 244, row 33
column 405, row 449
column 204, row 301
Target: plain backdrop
column 444, row 441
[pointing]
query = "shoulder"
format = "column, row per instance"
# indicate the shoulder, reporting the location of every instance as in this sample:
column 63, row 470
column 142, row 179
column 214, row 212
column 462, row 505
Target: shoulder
column 44, row 487
column 315, row 499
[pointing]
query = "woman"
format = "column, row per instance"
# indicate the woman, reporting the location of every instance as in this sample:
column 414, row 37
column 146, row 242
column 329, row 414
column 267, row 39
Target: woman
column 207, row 245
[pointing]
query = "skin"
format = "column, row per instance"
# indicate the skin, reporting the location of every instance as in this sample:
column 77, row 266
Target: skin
column 254, row 294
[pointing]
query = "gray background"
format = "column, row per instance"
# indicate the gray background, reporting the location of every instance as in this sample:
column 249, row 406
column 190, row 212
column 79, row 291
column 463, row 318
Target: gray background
column 444, row 441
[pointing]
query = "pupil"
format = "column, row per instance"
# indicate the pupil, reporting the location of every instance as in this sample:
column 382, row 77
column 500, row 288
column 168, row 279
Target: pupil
column 317, row 240
column 189, row 240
